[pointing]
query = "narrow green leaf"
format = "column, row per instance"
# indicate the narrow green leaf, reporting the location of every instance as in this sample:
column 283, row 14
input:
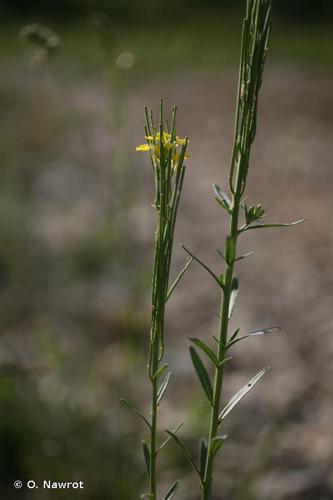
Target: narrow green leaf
column 259, row 226
column 202, row 374
column 221, row 254
column 241, row 393
column 185, row 451
column 172, row 490
column 265, row 331
column 216, row 444
column 203, row 448
column 230, row 250
column 160, row 371
column 222, row 198
column 146, row 455
column 233, row 296
column 136, row 411
column 179, row 277
column 163, row 388
column 248, row 254
column 234, row 335
column 206, row 349
column 204, row 266
column 223, row 362
column 165, row 442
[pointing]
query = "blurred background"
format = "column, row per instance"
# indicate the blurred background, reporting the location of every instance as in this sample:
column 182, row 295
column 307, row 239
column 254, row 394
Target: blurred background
column 76, row 233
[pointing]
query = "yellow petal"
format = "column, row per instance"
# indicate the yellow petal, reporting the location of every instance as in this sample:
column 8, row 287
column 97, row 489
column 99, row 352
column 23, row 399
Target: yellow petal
column 142, row 147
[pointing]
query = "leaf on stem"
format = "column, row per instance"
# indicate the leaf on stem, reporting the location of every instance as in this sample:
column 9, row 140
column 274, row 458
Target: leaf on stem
column 223, row 362
column 233, row 295
column 163, row 388
column 218, row 281
column 202, row 374
column 230, row 250
column 222, row 198
column 179, row 277
column 136, row 411
column 186, row 452
column 203, row 448
column 234, row 335
column 259, row 226
column 216, row 444
column 172, row 490
column 160, row 371
column 248, row 254
column 146, row 455
column 241, row 393
column 206, row 349
column 264, row 331
column 165, row 442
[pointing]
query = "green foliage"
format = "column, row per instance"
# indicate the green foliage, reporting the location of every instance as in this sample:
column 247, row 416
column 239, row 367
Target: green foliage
column 202, row 374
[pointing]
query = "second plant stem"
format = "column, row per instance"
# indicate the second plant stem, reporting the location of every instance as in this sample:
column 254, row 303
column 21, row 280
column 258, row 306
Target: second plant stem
column 223, row 332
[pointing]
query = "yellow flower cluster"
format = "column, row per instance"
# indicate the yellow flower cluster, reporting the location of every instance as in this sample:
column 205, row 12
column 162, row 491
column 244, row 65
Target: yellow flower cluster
column 153, row 146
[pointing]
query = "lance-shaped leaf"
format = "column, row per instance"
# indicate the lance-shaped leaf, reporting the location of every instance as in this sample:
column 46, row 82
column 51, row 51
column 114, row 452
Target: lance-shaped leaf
column 163, row 388
column 218, row 281
column 233, row 296
column 222, row 198
column 230, row 250
column 185, row 451
column 260, row 226
column 264, row 331
column 172, row 490
column 165, row 442
column 223, row 362
column 136, row 411
column 245, row 256
column 233, row 336
column 160, row 371
column 216, row 444
column 179, row 277
column 203, row 448
column 146, row 455
column 202, row 374
column 206, row 349
column 241, row 393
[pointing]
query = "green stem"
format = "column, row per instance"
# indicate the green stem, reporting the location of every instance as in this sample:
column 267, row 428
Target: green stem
column 168, row 192
column 256, row 29
column 223, row 332
column 152, row 478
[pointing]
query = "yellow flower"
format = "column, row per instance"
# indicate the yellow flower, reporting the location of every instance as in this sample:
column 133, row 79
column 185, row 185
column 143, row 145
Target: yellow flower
column 172, row 145
column 143, row 147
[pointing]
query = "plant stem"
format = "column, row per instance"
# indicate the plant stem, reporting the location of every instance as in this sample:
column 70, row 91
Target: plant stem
column 256, row 30
column 169, row 178
column 223, row 332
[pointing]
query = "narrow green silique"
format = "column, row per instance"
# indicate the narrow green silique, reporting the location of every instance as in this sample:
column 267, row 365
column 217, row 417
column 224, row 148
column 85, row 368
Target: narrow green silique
column 167, row 154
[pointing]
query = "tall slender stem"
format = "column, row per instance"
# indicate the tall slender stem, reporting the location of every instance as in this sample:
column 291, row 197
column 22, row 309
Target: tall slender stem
column 256, row 30
column 167, row 152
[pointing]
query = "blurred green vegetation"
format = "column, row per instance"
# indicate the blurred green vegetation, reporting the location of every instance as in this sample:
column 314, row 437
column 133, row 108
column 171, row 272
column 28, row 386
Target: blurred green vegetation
column 135, row 10
column 206, row 42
